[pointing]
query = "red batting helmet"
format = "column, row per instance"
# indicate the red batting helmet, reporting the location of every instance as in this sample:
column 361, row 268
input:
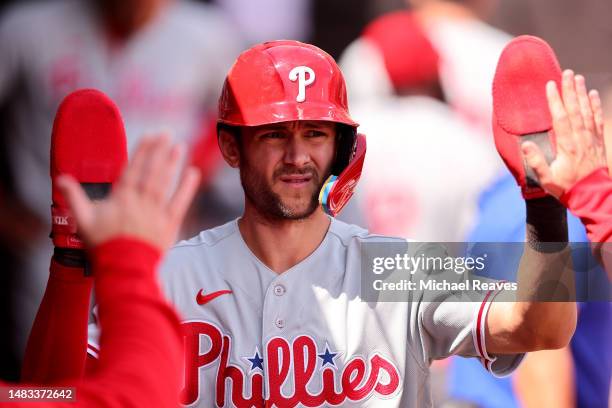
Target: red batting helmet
column 282, row 81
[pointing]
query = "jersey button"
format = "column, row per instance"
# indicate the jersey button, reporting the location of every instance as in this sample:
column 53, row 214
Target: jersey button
column 279, row 290
column 280, row 323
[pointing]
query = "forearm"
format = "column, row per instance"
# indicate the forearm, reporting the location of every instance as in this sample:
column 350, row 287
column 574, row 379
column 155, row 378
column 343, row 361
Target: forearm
column 541, row 314
column 545, row 306
column 56, row 349
column 141, row 341
column 546, row 379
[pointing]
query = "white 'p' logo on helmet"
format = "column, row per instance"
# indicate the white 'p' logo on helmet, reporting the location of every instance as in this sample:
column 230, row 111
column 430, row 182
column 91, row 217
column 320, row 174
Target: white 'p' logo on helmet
column 299, row 74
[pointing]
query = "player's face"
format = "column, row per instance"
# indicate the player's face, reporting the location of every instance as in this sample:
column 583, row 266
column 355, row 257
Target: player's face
column 283, row 166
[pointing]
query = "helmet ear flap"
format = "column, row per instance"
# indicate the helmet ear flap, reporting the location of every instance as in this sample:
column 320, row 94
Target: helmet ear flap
column 338, row 189
column 346, row 143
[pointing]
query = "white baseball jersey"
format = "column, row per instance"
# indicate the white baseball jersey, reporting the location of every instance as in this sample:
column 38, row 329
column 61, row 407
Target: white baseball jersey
column 305, row 338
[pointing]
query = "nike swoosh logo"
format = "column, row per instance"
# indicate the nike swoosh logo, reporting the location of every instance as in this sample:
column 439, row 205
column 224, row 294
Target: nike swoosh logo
column 203, row 299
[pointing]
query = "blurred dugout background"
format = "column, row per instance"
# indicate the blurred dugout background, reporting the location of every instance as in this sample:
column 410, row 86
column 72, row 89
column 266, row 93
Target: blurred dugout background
column 138, row 35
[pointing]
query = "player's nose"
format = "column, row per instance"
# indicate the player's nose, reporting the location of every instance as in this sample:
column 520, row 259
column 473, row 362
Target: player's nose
column 296, row 151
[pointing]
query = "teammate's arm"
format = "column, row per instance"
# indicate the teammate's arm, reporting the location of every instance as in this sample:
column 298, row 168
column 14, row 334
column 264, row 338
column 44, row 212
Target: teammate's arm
column 140, row 209
column 140, row 365
column 56, row 349
column 545, row 270
column 58, row 340
column 141, row 361
column 591, row 200
column 530, row 320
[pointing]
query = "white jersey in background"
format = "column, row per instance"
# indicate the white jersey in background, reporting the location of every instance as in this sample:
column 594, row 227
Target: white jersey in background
column 426, row 166
column 305, row 338
column 425, row 169
column 166, row 77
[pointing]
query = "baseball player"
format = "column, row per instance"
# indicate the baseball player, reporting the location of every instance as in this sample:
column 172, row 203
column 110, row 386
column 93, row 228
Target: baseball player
column 398, row 94
column 271, row 302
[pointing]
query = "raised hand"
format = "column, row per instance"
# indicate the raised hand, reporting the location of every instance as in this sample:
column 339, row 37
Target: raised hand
column 142, row 204
column 578, row 126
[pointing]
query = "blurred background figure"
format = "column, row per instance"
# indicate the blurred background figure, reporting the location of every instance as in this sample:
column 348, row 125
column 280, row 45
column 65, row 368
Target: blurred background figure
column 426, row 166
column 163, row 63
column 425, row 103
column 469, row 49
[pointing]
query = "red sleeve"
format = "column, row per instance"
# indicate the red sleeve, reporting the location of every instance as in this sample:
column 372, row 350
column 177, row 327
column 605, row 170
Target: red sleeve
column 141, row 343
column 591, row 200
column 140, row 355
column 57, row 345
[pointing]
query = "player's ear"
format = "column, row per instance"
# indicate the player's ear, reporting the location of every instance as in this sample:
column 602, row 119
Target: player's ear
column 229, row 145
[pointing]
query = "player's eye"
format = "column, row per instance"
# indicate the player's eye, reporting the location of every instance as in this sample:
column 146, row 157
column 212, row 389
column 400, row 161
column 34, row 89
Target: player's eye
column 315, row 133
column 272, row 135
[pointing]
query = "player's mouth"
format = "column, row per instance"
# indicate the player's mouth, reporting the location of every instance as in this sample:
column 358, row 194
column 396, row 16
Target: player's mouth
column 296, row 180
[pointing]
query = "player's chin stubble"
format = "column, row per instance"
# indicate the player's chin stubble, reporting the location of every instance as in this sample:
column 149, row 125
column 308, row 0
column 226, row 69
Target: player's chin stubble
column 269, row 204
